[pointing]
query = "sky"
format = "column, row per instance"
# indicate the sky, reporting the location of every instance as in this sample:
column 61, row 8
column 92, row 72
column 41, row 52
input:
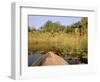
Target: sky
column 38, row 21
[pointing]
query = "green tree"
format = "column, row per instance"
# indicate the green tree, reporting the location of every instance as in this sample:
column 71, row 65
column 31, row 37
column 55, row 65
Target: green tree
column 47, row 26
column 51, row 27
column 84, row 24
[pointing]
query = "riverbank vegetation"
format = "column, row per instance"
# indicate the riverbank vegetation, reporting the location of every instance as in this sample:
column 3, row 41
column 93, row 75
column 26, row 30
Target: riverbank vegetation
column 69, row 40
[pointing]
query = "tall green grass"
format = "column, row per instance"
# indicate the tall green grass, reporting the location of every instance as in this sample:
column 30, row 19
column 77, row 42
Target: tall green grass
column 57, row 42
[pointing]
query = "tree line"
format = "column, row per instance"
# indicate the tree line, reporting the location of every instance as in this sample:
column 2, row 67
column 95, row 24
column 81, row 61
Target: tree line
column 50, row 26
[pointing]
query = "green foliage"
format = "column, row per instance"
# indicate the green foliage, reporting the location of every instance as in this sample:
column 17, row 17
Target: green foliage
column 50, row 26
column 53, row 36
column 30, row 29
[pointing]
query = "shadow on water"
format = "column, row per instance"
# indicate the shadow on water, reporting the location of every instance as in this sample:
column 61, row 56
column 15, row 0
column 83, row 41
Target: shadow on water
column 32, row 58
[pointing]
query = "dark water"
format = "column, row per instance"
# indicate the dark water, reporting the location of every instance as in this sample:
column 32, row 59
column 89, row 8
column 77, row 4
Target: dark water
column 33, row 57
column 71, row 60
